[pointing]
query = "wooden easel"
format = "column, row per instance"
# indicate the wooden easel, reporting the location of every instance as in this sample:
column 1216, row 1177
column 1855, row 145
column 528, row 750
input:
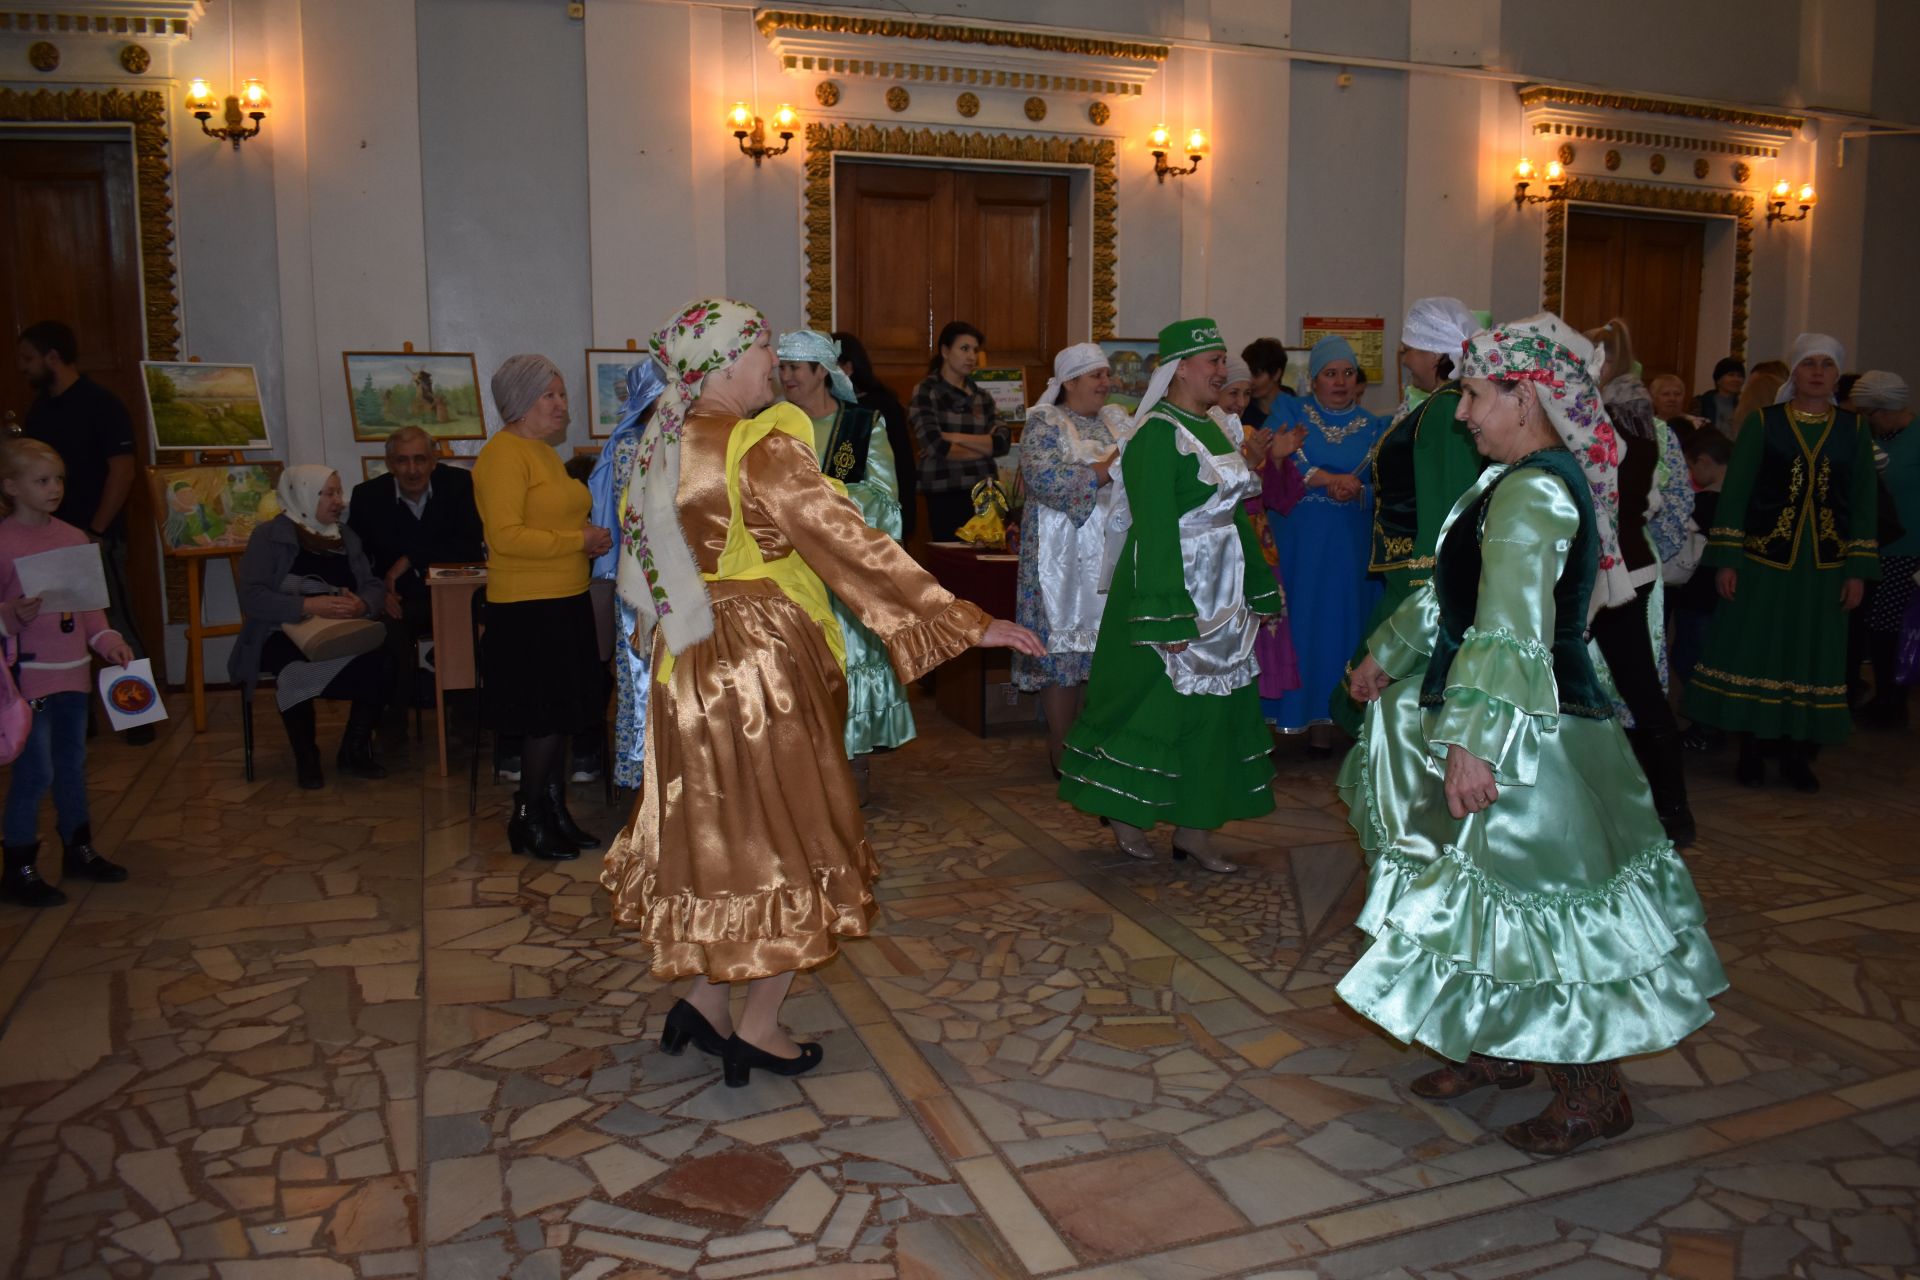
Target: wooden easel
column 199, row 631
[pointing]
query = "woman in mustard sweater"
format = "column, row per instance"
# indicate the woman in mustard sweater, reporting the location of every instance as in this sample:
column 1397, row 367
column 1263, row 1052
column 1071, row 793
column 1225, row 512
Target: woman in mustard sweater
column 540, row 657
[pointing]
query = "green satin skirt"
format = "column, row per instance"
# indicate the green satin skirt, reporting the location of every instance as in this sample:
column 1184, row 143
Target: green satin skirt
column 877, row 710
column 1558, row 925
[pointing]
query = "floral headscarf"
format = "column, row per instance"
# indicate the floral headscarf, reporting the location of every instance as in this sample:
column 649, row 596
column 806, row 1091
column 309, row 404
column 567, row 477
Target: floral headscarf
column 1561, row 365
column 659, row 576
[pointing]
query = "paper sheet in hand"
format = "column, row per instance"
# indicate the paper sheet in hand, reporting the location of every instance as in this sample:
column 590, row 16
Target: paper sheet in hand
column 132, row 698
column 67, row 579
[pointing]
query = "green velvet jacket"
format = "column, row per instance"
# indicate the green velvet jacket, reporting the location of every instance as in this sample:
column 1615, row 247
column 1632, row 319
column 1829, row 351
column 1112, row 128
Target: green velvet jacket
column 1794, row 484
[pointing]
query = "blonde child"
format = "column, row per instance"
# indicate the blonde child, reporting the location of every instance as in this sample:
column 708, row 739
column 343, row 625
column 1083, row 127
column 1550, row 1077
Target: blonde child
column 55, row 676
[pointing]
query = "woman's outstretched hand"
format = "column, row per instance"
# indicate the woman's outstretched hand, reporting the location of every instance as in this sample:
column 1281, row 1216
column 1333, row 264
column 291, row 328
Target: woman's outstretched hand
column 1002, row 634
column 1470, row 785
column 1366, row 681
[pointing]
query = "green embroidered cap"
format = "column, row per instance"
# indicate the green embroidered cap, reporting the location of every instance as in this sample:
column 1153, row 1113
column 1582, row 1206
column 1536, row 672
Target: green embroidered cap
column 1189, row 338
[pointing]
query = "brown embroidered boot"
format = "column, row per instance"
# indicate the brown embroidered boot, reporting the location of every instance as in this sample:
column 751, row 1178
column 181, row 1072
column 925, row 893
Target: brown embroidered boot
column 1458, row 1079
column 1588, row 1102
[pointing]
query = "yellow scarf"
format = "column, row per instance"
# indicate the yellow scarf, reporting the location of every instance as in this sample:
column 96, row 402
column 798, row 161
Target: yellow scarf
column 741, row 559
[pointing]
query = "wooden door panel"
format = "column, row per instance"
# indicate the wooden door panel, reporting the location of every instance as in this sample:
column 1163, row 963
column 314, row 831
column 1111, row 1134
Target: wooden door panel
column 893, row 264
column 1644, row 269
column 1011, row 267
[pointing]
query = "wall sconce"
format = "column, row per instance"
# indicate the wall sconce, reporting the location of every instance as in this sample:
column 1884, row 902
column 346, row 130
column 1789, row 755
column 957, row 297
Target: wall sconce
column 1784, row 194
column 750, row 131
column 251, row 103
column 1161, row 142
column 1523, row 175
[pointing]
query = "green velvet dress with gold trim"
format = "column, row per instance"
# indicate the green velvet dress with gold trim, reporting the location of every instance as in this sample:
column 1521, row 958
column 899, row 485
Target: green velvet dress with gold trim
column 1558, row 924
column 1796, row 519
column 1421, row 466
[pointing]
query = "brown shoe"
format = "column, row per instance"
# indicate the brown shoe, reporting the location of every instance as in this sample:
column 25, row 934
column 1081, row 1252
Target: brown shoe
column 1588, row 1102
column 1458, row 1079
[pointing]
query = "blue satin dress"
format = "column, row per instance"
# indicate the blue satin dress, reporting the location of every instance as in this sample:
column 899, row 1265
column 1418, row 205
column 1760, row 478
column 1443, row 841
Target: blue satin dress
column 1324, row 547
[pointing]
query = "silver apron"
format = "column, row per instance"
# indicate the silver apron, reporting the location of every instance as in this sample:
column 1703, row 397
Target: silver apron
column 1221, row 659
column 1068, row 557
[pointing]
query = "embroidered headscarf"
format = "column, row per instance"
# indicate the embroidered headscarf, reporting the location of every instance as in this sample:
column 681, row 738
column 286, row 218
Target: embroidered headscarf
column 658, row 575
column 299, row 491
column 1878, row 389
column 810, row 346
column 1810, row 344
column 520, row 382
column 1439, row 325
column 1070, row 363
column 1561, row 365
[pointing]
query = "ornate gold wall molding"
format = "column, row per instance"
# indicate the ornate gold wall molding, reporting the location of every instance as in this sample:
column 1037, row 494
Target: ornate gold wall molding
column 934, row 73
column 824, row 140
column 774, row 20
column 1639, row 138
column 1632, row 195
column 1547, row 94
column 146, row 111
column 173, row 19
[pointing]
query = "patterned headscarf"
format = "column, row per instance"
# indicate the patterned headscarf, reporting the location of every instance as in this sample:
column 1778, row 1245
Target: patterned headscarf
column 659, row 576
column 810, row 346
column 1561, row 365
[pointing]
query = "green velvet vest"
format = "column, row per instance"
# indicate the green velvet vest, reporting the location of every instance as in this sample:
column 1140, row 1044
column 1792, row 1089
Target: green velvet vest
column 1800, row 482
column 846, row 454
column 1456, row 586
column 1396, row 510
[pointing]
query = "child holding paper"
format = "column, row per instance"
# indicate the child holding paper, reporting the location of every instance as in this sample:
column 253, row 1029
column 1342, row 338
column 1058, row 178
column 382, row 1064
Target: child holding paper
column 55, row 675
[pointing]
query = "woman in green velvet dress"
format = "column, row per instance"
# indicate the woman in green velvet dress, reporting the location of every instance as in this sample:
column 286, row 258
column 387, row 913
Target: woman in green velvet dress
column 851, row 443
column 1172, row 731
column 1795, row 544
column 1525, row 905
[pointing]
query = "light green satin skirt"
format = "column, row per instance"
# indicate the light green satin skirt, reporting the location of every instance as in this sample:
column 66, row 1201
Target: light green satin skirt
column 877, row 710
column 1558, row 925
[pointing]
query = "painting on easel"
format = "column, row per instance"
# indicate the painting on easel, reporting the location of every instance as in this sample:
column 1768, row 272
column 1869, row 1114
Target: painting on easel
column 211, row 509
column 436, row 390
column 204, row 406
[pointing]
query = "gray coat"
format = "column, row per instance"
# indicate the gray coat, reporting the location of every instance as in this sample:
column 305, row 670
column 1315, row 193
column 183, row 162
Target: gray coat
column 265, row 605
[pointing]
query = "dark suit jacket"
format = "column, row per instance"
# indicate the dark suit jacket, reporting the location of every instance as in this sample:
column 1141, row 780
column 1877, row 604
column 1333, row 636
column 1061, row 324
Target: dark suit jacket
column 448, row 532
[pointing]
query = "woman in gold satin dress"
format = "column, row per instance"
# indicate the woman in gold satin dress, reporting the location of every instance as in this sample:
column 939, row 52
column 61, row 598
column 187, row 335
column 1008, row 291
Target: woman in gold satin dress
column 746, row 859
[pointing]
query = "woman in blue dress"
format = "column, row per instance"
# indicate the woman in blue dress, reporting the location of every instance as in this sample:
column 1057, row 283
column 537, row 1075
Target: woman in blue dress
column 1324, row 541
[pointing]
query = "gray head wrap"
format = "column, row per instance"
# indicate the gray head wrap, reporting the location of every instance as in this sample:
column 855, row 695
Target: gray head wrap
column 520, row 382
column 810, row 346
column 1878, row 389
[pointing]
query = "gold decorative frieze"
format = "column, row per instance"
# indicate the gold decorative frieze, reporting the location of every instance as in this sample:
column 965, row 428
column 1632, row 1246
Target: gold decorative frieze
column 1036, row 109
column 825, row 140
column 1536, row 95
column 134, row 60
column 1099, row 113
column 154, row 19
column 884, row 69
column 43, row 55
column 1659, row 199
column 826, row 93
column 1638, row 138
column 967, row 104
column 898, row 99
column 774, row 21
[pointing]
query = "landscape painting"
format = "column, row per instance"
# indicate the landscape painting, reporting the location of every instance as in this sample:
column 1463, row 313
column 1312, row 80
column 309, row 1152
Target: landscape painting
column 204, row 406
column 436, row 390
column 1133, row 361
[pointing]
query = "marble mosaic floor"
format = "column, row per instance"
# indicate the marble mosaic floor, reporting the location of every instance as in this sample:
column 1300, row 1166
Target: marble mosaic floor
column 346, row 1034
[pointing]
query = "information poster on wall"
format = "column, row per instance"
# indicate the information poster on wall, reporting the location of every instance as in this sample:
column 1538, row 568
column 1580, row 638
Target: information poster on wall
column 1008, row 390
column 1367, row 335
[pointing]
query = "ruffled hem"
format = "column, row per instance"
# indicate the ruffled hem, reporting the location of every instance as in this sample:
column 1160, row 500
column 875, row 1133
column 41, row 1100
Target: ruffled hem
column 1145, row 780
column 889, row 725
column 1496, row 731
column 1514, row 669
column 918, row 649
column 839, row 902
column 1403, row 654
column 1163, row 617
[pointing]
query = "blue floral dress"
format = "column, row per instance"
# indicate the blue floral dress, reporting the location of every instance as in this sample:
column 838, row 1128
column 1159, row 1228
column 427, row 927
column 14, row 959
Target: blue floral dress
column 1054, row 479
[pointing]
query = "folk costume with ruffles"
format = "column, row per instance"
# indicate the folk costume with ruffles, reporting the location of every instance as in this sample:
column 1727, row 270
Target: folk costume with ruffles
column 746, row 856
column 1797, row 517
column 1169, row 736
column 1557, row 925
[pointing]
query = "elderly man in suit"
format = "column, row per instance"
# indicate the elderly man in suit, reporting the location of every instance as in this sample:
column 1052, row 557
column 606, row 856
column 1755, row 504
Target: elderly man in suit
column 420, row 513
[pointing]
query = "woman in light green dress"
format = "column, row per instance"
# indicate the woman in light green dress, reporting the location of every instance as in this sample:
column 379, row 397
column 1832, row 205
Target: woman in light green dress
column 852, row 446
column 1525, row 905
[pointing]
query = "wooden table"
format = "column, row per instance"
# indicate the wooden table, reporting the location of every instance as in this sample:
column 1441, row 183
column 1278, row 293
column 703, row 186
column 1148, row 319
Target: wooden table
column 453, row 658
column 989, row 579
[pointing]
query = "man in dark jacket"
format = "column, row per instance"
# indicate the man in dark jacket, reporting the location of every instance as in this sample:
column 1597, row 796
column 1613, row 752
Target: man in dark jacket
column 420, row 513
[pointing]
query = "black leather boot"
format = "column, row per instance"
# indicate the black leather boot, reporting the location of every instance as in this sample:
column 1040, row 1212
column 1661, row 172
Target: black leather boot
column 1664, row 763
column 563, row 821
column 82, row 861
column 1796, row 765
column 21, row 881
column 356, row 754
column 306, row 750
column 1752, row 769
column 531, row 830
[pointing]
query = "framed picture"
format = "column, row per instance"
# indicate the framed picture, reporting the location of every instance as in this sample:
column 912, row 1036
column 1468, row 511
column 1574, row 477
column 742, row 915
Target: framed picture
column 211, row 510
column 1366, row 334
column 1296, row 374
column 1134, row 361
column 373, row 468
column 607, row 388
column 437, row 390
column 1007, row 388
column 204, row 406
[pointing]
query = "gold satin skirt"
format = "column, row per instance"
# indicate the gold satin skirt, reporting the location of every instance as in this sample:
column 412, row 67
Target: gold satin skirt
column 746, row 855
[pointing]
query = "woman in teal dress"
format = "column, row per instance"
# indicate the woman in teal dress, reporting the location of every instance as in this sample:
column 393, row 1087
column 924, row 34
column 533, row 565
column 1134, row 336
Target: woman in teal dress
column 852, row 446
column 1324, row 539
column 1795, row 545
column 1171, row 730
column 1524, row 904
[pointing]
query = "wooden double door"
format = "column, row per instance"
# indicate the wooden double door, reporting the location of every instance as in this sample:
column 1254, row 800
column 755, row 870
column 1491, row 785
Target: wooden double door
column 70, row 251
column 916, row 246
column 1644, row 270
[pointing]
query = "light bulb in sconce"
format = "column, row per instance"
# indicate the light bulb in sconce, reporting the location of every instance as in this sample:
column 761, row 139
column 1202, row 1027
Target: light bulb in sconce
column 1782, row 189
column 1556, row 173
column 1196, row 142
column 1807, row 196
column 200, row 100
column 1523, row 172
column 740, row 119
column 1159, row 139
column 253, row 98
column 785, row 118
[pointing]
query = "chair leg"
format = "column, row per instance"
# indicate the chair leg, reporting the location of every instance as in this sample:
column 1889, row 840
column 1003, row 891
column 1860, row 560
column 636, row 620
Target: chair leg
column 246, row 730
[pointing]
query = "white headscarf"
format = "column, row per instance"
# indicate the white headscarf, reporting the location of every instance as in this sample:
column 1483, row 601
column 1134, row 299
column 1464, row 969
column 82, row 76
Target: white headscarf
column 300, row 496
column 1810, row 344
column 1238, row 370
column 1439, row 325
column 1070, row 363
column 1878, row 389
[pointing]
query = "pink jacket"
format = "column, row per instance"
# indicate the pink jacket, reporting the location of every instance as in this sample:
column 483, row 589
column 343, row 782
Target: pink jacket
column 51, row 660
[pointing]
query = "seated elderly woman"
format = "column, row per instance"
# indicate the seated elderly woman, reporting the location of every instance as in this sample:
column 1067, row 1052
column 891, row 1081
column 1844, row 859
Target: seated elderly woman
column 306, row 563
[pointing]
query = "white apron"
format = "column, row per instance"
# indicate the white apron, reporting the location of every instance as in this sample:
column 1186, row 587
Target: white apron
column 1068, row 557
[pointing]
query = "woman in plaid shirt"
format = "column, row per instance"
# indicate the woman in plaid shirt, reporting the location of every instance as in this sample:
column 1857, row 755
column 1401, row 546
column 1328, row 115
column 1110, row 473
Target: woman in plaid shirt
column 954, row 430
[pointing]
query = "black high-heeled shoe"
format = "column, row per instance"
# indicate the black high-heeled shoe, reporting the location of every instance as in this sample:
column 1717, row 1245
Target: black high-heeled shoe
column 739, row 1058
column 686, row 1024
